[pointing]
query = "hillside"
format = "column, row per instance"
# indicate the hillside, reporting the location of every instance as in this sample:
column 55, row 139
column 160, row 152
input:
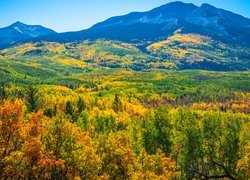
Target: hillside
column 193, row 51
column 98, row 53
column 180, row 51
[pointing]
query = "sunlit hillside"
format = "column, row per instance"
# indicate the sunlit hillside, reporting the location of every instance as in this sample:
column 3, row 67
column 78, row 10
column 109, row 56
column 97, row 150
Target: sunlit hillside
column 201, row 52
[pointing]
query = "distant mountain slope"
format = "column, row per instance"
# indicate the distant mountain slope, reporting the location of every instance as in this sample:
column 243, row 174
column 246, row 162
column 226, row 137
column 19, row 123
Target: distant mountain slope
column 19, row 31
column 180, row 51
column 194, row 51
column 77, row 56
column 163, row 21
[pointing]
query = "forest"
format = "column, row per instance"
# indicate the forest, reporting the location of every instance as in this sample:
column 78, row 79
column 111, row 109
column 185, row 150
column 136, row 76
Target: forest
column 124, row 124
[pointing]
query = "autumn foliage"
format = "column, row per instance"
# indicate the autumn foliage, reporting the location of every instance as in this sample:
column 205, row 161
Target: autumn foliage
column 127, row 125
column 37, row 147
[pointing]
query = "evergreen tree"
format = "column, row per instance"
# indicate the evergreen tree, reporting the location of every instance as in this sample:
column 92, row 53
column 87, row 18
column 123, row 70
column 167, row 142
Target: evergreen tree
column 81, row 105
column 2, row 92
column 117, row 105
column 32, row 99
column 69, row 108
column 48, row 112
column 55, row 110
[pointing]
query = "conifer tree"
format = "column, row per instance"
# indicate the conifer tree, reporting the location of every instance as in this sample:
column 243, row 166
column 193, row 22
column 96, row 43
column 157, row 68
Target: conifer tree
column 32, row 99
column 69, row 108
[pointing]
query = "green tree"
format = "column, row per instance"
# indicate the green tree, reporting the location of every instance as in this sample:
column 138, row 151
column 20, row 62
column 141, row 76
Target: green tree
column 32, row 98
column 81, row 105
column 191, row 140
column 231, row 141
column 83, row 121
column 149, row 133
column 164, row 129
column 69, row 108
column 106, row 124
column 48, row 112
column 117, row 105
column 54, row 110
column 2, row 92
column 157, row 131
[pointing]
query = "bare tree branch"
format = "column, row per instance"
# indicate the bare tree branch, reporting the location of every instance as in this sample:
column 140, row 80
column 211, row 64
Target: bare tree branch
column 212, row 163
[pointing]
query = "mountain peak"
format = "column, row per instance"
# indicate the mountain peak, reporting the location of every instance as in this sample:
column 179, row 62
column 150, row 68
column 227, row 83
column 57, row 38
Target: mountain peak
column 18, row 23
column 177, row 4
column 19, row 31
column 207, row 6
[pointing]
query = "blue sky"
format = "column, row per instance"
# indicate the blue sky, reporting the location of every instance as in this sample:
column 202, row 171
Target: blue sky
column 73, row 15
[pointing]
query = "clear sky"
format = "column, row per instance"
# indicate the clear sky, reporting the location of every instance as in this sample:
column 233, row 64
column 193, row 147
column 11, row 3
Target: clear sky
column 73, row 15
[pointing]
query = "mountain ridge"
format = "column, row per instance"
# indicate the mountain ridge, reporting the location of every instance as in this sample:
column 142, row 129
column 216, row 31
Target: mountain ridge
column 161, row 22
column 207, row 19
column 19, row 31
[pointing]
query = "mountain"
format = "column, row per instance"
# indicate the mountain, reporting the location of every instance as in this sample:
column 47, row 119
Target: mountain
column 19, row 32
column 174, row 36
column 162, row 22
column 169, row 13
column 220, row 24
